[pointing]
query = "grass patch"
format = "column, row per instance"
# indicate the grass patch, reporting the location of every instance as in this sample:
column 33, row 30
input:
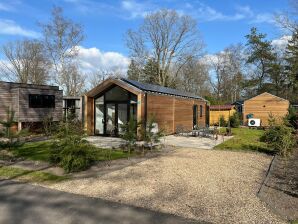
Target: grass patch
column 40, row 151
column 28, row 175
column 246, row 139
column 34, row 151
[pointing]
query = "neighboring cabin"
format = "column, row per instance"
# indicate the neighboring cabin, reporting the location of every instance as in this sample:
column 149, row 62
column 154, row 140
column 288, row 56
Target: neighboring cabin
column 114, row 101
column 31, row 103
column 73, row 107
column 216, row 111
column 263, row 105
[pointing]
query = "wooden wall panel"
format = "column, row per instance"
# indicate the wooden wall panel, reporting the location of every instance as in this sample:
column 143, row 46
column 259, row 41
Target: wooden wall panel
column 27, row 114
column 171, row 112
column 8, row 99
column 89, row 115
column 161, row 107
column 263, row 105
column 16, row 96
column 215, row 115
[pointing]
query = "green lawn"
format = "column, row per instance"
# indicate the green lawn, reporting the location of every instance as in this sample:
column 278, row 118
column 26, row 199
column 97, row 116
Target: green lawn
column 245, row 139
column 41, row 151
column 28, row 175
column 34, row 151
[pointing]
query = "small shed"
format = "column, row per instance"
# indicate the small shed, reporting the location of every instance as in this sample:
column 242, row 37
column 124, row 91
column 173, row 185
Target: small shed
column 261, row 106
column 115, row 101
column 216, row 111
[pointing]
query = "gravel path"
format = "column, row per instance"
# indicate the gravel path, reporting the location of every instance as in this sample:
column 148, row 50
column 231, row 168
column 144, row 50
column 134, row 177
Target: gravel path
column 206, row 185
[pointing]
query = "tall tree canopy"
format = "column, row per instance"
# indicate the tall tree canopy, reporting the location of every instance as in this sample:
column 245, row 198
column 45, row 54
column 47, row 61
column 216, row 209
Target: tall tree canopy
column 25, row 62
column 168, row 39
column 61, row 37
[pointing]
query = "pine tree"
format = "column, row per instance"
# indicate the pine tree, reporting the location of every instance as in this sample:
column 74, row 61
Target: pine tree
column 150, row 72
column 260, row 55
column 133, row 72
column 292, row 66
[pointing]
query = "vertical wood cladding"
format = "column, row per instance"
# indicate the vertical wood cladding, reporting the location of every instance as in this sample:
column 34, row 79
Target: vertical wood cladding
column 171, row 111
column 263, row 105
column 89, row 115
column 16, row 96
column 216, row 114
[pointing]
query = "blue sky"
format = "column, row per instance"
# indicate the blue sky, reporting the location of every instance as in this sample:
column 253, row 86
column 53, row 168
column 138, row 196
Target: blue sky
column 221, row 22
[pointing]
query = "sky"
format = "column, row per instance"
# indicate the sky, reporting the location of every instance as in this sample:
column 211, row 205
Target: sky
column 221, row 23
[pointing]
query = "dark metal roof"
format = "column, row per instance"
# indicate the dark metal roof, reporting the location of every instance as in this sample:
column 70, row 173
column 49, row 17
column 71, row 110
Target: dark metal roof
column 160, row 89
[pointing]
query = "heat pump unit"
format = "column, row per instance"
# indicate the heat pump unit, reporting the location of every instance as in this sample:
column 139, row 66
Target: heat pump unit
column 254, row 122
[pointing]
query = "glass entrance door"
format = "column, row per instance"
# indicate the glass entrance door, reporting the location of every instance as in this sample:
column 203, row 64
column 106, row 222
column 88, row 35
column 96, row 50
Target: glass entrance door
column 99, row 116
column 116, row 116
column 111, row 126
column 122, row 116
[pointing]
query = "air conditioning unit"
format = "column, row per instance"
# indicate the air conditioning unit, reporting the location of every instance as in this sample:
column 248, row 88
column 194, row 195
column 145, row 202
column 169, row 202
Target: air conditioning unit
column 254, row 122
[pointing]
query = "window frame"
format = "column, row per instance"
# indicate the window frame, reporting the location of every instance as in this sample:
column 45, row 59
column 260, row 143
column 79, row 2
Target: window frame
column 44, row 103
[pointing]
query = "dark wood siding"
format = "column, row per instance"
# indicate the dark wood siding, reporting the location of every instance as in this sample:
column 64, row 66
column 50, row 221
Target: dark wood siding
column 27, row 114
column 16, row 96
column 8, row 99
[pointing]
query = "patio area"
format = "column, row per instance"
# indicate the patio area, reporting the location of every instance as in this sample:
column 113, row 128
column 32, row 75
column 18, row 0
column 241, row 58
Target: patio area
column 106, row 142
column 172, row 140
column 194, row 142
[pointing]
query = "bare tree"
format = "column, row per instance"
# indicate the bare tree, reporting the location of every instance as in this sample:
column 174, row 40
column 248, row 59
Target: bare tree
column 289, row 19
column 25, row 62
column 100, row 75
column 227, row 74
column 169, row 39
column 61, row 37
column 194, row 77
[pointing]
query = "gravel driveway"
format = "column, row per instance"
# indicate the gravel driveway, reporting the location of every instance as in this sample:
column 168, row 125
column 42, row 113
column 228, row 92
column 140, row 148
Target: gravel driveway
column 206, row 185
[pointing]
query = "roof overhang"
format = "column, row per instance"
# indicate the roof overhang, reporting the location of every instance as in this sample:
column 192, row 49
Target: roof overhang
column 108, row 83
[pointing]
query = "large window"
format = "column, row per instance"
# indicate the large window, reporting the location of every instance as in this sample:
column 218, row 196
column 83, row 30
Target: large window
column 41, row 101
column 195, row 115
column 201, row 111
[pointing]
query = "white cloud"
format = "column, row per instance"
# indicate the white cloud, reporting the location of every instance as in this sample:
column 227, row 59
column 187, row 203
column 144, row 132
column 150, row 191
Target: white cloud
column 205, row 13
column 93, row 59
column 9, row 27
column 281, row 43
column 263, row 18
column 136, row 9
column 5, row 7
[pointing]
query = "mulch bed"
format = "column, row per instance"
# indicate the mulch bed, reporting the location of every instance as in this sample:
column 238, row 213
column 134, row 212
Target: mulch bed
column 280, row 189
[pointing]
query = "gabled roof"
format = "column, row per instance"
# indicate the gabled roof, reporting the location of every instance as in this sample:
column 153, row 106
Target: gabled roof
column 160, row 89
column 221, row 107
column 266, row 93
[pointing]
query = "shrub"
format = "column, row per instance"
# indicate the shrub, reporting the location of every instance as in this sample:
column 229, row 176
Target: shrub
column 69, row 149
column 280, row 139
column 222, row 121
column 13, row 137
column 235, row 120
column 150, row 136
column 291, row 119
column 130, row 133
column 48, row 125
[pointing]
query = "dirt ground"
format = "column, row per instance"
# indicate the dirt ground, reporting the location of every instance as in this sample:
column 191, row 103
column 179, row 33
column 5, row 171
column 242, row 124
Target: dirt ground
column 206, row 185
column 280, row 191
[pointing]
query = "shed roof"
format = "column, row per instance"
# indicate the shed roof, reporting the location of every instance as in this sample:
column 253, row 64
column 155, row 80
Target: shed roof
column 29, row 86
column 160, row 89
